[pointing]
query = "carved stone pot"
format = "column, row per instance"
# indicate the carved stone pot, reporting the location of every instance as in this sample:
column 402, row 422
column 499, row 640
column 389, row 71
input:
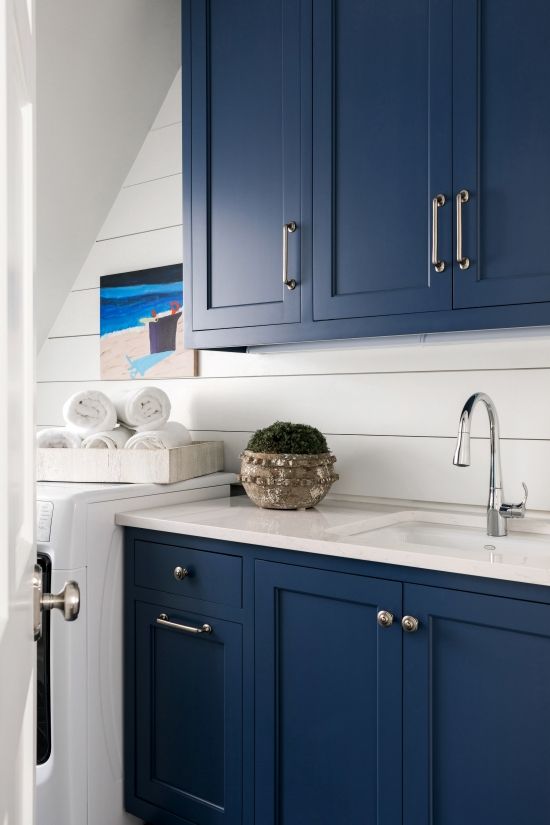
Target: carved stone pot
column 287, row 481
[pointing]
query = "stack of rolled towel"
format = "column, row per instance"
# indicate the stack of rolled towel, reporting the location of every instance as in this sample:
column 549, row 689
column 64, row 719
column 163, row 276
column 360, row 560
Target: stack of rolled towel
column 131, row 420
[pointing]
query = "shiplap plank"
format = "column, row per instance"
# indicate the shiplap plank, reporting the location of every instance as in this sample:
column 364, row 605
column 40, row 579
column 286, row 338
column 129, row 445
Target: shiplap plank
column 415, row 404
column 152, row 205
column 79, row 315
column 159, row 247
column 421, row 469
column 69, row 359
column 159, row 156
column 414, row 354
column 170, row 111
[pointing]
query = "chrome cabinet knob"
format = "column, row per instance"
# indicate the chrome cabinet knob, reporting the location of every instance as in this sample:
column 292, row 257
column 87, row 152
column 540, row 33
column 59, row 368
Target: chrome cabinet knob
column 180, row 573
column 384, row 618
column 409, row 624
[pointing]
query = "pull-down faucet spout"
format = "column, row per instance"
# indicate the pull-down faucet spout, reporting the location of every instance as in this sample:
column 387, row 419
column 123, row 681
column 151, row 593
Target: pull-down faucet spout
column 497, row 512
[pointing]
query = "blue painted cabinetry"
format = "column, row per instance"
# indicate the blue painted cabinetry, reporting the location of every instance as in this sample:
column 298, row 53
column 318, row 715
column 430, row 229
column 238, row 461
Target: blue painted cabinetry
column 349, row 119
column 382, row 146
column 476, row 709
column 300, row 706
column 184, row 686
column 328, row 698
column 242, row 160
column 501, row 135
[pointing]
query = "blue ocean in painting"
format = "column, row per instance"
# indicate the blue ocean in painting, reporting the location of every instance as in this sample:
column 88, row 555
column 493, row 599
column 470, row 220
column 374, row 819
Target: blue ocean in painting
column 122, row 307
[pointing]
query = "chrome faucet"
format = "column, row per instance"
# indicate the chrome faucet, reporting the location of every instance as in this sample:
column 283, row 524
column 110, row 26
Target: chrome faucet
column 497, row 512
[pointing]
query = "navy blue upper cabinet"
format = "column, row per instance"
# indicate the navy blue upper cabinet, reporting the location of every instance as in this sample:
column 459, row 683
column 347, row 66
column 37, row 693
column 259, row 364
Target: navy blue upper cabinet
column 476, row 709
column 349, row 118
column 382, row 143
column 501, row 150
column 241, row 110
column 328, row 698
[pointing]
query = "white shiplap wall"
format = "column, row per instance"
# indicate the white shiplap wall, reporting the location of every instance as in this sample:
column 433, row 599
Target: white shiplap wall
column 389, row 409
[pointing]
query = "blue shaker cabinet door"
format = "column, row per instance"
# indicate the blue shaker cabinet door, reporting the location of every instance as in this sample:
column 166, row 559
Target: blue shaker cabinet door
column 241, row 148
column 501, row 150
column 382, row 87
column 188, row 717
column 328, row 698
column 476, row 710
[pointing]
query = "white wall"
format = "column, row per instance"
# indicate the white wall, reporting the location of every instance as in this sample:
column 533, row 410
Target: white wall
column 103, row 69
column 389, row 409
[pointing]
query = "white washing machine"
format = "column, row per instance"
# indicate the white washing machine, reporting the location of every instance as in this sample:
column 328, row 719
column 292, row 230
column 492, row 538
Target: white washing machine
column 79, row 743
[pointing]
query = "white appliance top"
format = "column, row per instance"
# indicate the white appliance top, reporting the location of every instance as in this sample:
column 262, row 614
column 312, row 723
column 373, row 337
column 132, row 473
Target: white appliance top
column 63, row 529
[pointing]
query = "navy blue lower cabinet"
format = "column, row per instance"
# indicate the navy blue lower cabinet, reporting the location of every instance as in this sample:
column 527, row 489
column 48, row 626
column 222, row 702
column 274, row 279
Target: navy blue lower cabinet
column 188, row 717
column 328, row 698
column 476, row 710
column 304, row 706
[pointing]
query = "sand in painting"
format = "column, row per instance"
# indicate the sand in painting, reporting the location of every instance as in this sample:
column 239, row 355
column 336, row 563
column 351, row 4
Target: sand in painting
column 117, row 347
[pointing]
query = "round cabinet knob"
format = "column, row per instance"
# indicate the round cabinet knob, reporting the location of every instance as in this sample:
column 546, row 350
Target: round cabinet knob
column 409, row 624
column 385, row 618
column 180, row 573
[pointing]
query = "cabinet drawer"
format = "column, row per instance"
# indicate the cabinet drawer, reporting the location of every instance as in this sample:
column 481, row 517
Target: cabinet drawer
column 208, row 577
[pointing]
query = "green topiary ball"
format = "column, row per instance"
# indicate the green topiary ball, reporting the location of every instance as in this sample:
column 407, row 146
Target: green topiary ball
column 285, row 437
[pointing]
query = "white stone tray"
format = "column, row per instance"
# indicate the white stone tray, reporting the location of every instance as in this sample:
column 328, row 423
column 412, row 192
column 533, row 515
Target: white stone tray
column 130, row 466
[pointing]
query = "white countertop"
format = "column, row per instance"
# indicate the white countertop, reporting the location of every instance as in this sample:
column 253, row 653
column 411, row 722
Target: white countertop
column 452, row 541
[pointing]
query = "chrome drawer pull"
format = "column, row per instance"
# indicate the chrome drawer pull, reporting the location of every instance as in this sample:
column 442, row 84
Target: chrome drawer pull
column 462, row 197
column 184, row 628
column 288, row 228
column 437, row 203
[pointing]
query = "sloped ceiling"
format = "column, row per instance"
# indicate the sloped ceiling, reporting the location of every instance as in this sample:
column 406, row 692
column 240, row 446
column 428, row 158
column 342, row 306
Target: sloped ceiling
column 103, row 70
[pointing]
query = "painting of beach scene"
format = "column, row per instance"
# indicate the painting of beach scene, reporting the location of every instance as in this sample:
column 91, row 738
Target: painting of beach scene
column 141, row 325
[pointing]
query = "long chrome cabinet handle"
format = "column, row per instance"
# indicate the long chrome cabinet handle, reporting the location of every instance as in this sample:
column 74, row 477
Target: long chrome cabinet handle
column 288, row 228
column 437, row 203
column 462, row 197
column 184, row 628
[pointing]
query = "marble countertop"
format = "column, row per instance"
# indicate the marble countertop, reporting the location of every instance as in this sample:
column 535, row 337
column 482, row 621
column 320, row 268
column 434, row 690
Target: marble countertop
column 449, row 540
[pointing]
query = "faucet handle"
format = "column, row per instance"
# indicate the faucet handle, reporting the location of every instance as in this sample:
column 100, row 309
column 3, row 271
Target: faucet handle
column 515, row 510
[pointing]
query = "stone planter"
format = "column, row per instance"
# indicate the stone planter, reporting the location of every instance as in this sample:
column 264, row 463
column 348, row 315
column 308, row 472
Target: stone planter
column 285, row 481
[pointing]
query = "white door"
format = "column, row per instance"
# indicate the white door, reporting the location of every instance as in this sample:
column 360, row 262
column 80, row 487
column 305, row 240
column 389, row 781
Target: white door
column 17, row 551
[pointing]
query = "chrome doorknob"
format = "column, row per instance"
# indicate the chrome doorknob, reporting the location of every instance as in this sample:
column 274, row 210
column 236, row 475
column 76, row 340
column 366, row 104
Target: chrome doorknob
column 409, row 624
column 180, row 573
column 385, row 618
column 68, row 601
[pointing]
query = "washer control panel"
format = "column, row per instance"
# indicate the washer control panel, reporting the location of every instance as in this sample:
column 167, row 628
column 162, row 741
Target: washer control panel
column 44, row 514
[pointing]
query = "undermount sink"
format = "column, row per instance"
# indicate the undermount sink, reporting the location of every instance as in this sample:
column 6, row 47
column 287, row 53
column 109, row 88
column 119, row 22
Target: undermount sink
column 435, row 536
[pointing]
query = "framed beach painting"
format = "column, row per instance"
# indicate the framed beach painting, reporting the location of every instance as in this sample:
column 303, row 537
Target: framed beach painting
column 141, row 325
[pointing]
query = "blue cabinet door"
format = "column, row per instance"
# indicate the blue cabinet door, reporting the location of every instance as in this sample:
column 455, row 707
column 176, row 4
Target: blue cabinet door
column 327, row 698
column 188, row 718
column 500, row 148
column 382, row 144
column 241, row 144
column 476, row 709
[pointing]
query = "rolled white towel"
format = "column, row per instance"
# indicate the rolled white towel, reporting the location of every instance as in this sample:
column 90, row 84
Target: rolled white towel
column 89, row 412
column 108, row 440
column 142, row 410
column 59, row 437
column 172, row 435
